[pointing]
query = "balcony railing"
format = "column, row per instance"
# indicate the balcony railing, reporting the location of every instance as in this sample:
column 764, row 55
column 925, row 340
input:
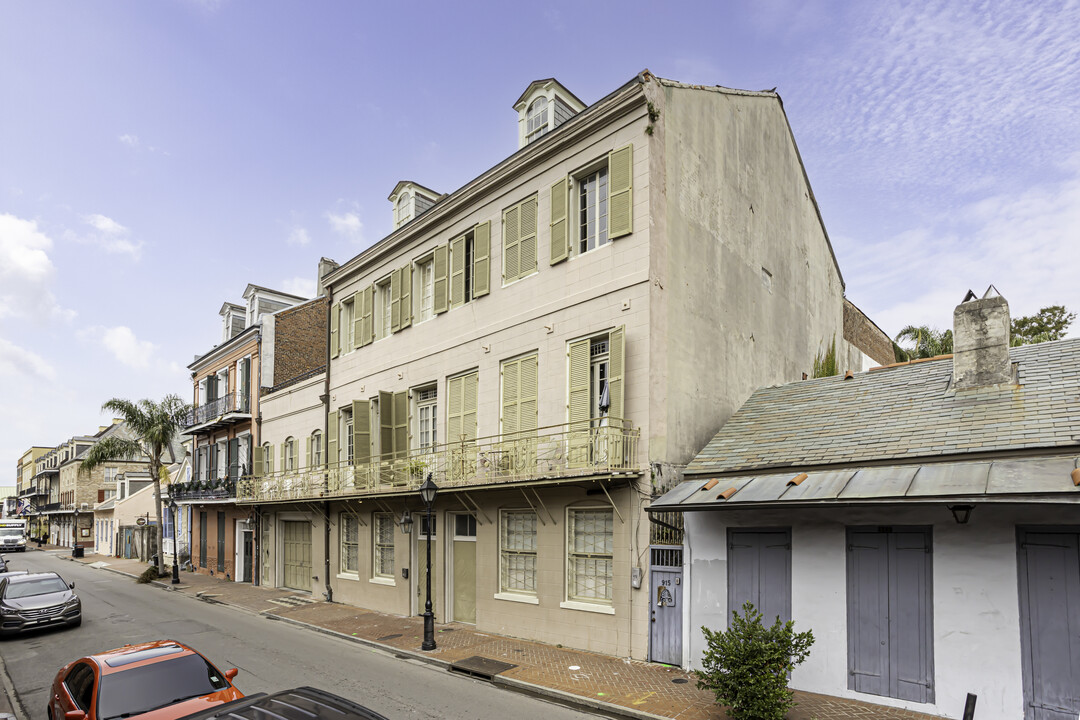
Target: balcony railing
column 49, row 507
column 230, row 403
column 572, row 450
column 205, row 490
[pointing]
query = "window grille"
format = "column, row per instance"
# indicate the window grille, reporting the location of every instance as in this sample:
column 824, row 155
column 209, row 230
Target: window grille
column 666, row 528
column 517, row 551
column 384, row 545
column 590, row 558
column 350, row 544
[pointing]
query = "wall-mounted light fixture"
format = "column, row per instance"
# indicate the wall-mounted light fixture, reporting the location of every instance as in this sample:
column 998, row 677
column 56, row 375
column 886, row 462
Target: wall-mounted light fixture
column 405, row 522
column 961, row 513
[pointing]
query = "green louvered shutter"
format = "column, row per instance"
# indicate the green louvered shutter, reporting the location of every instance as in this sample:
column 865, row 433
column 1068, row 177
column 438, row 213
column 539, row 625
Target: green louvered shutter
column 401, row 424
column 284, row 445
column 335, row 318
column 621, row 191
column 481, row 265
column 454, row 406
column 367, row 315
column 307, row 453
column 269, row 457
column 457, row 272
column 527, row 243
column 361, row 429
column 527, row 394
column 357, row 321
column 258, row 463
column 510, row 371
column 616, row 371
column 395, row 300
column 441, row 270
column 332, row 439
column 560, row 233
column 406, row 296
column 468, row 406
column 578, row 408
column 386, row 425
column 511, row 243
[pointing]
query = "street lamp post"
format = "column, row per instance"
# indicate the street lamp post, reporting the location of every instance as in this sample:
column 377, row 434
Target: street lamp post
column 175, row 546
column 75, row 536
column 427, row 493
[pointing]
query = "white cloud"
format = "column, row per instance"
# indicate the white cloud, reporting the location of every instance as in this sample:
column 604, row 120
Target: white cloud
column 302, row 286
column 1024, row 244
column 111, row 236
column 298, row 236
column 16, row 361
column 124, row 346
column 347, row 224
column 26, row 271
column 129, row 140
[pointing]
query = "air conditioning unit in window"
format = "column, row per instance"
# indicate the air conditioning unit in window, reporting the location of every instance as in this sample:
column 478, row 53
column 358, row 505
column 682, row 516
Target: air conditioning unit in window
column 83, row 506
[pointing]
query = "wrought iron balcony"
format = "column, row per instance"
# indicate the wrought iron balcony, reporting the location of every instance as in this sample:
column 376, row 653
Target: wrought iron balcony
column 218, row 411
column 572, row 450
column 205, row 490
column 50, row 507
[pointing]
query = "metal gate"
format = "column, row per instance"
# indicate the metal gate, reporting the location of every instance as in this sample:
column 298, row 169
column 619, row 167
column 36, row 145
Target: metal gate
column 221, row 542
column 665, row 604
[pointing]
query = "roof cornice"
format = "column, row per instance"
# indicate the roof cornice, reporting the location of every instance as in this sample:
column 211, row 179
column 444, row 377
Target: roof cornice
column 249, row 333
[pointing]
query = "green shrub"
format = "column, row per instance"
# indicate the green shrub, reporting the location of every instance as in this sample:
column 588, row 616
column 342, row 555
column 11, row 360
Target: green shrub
column 148, row 574
column 747, row 665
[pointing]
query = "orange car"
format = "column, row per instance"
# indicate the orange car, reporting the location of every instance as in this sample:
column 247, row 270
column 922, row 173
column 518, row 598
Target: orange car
column 154, row 681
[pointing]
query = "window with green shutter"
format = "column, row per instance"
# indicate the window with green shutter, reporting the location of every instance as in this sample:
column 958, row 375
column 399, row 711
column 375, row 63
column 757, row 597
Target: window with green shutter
column 441, row 263
column 335, row 341
column 470, row 265
column 519, row 240
column 621, row 177
column 595, row 409
column 361, row 431
column 332, row 439
column 461, row 408
column 519, row 395
column 367, row 316
column 560, row 236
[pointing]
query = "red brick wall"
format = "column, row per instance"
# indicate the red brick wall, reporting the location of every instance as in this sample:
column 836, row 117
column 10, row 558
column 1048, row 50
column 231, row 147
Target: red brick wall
column 300, row 338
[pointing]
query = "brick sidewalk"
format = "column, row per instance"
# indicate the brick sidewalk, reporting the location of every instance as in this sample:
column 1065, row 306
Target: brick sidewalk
column 616, row 685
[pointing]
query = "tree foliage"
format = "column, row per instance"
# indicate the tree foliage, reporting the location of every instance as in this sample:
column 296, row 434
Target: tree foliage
column 825, row 364
column 1050, row 323
column 747, row 665
column 926, row 342
column 152, row 428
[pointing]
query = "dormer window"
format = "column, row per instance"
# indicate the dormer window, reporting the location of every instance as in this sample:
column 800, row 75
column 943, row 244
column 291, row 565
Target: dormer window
column 537, row 121
column 404, row 210
column 543, row 107
column 411, row 201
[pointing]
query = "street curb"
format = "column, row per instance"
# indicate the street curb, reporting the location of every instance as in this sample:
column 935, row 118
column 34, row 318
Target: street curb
column 559, row 697
column 13, row 697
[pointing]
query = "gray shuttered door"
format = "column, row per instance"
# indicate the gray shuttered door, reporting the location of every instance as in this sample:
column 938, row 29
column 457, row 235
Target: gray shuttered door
column 890, row 633
column 759, row 571
column 1049, row 623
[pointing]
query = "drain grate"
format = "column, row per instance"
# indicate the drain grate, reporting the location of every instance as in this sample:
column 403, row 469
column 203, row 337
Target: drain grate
column 292, row 600
column 680, row 681
column 480, row 667
column 384, row 638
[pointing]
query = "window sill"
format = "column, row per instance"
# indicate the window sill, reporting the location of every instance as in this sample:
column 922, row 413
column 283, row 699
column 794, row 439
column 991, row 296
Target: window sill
column 348, row 576
column 383, row 581
column 513, row 597
column 587, row 607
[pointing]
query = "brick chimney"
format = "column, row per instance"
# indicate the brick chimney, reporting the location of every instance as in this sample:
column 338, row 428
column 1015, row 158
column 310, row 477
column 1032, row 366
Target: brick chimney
column 981, row 341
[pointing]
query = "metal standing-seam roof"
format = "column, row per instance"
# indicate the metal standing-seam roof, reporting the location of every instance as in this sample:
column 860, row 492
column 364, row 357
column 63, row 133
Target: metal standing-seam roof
column 902, row 414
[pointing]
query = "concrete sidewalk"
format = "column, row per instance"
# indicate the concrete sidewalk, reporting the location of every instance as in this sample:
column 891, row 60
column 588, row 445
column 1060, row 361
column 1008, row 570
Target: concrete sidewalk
column 615, row 686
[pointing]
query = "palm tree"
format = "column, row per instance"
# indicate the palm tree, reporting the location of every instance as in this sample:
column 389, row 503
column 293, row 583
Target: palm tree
column 929, row 342
column 153, row 428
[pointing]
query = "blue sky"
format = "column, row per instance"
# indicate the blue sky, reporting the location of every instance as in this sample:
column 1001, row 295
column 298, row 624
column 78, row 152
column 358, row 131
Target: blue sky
column 155, row 157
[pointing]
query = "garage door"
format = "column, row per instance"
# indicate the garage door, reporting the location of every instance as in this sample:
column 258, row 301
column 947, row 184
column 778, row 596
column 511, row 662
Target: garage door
column 297, row 547
column 1049, row 623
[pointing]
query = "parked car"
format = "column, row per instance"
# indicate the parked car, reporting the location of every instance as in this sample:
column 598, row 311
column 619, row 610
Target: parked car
column 34, row 600
column 3, row 564
column 9, row 571
column 303, row 703
column 158, row 680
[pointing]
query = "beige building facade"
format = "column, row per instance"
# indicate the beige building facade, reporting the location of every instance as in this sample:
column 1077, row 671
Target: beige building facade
column 551, row 343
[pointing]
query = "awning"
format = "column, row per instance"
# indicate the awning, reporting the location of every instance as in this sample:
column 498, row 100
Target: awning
column 1014, row 480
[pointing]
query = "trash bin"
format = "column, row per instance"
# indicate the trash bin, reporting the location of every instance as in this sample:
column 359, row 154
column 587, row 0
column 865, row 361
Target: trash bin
column 77, row 552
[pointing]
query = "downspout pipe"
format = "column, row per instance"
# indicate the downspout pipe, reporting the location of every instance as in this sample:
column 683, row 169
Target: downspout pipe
column 326, row 429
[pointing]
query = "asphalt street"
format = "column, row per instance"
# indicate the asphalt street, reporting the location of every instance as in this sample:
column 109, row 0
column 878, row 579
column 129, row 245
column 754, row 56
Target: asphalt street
column 270, row 655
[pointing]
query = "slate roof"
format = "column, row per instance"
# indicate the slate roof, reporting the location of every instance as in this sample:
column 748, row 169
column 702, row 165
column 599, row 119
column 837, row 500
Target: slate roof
column 902, row 414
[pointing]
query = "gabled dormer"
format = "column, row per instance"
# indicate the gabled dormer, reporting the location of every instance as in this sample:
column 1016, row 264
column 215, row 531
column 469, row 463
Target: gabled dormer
column 411, row 200
column 233, row 320
column 544, row 106
column 264, row 301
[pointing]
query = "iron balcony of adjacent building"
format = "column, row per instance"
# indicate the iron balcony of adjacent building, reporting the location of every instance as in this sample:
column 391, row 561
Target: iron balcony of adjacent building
column 221, row 489
column 557, row 453
column 219, row 413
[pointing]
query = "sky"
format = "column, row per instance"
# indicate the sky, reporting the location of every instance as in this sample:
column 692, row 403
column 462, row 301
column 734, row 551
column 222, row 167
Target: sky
column 156, row 157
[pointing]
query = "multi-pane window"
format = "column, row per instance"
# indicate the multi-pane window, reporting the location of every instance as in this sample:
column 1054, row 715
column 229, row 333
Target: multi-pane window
column 403, row 211
column 383, row 528
column 222, row 468
column 350, row 440
column 426, row 278
column 536, row 119
column 347, row 315
column 517, row 552
column 426, row 405
column 268, row 457
column 110, row 474
column 289, row 451
column 593, row 211
column 589, row 556
column 350, row 544
column 385, row 306
column 316, row 449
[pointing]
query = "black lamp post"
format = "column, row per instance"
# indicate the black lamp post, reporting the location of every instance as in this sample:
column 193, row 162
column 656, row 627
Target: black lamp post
column 175, row 546
column 427, row 493
column 75, row 536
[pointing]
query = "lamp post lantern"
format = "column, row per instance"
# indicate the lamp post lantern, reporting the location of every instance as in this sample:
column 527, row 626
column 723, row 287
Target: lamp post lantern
column 175, row 546
column 427, row 493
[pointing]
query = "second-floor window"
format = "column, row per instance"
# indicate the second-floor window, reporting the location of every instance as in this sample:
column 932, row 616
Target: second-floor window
column 426, row 400
column 350, row 449
column 426, row 287
column 289, row 454
column 384, row 305
column 315, row 453
column 347, row 310
column 592, row 208
column 519, row 240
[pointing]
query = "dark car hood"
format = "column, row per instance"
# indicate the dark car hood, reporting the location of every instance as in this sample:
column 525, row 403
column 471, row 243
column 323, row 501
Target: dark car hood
column 35, row 602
